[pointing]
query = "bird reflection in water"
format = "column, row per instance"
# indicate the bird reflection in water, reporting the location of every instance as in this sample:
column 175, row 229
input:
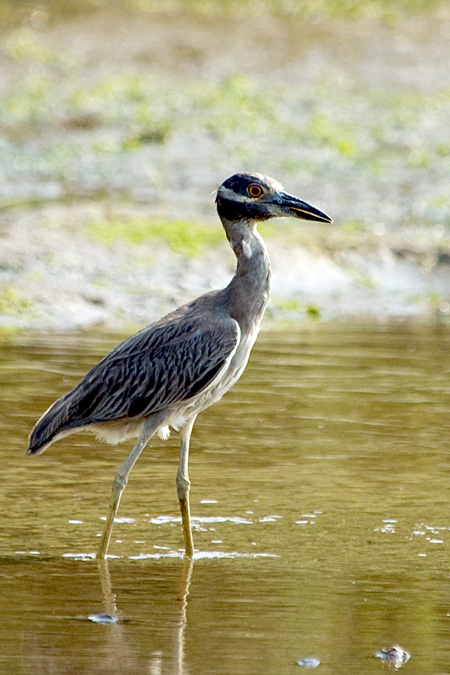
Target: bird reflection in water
column 113, row 640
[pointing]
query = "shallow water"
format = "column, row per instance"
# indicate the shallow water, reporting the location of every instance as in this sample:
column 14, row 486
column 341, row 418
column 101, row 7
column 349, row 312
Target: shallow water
column 320, row 506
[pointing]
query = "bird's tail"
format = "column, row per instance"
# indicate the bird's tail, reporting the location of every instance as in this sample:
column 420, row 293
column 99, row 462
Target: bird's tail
column 48, row 428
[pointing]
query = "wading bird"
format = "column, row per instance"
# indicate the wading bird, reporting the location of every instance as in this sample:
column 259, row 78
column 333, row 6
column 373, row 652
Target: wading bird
column 167, row 373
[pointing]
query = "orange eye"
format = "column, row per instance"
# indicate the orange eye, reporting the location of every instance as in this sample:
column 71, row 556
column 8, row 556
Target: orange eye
column 254, row 190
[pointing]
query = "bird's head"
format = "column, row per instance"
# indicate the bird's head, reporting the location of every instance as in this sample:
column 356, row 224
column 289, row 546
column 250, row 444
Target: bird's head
column 251, row 196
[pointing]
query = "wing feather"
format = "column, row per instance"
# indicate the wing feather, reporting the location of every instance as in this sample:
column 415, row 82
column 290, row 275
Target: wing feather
column 166, row 363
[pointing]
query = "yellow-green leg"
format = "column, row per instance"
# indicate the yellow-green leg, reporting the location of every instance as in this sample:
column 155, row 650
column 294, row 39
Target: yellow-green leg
column 183, row 486
column 120, row 482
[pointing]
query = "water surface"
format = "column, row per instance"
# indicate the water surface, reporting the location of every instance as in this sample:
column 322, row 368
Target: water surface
column 320, row 505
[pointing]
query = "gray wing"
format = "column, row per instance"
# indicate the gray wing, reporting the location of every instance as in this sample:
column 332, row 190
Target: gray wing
column 166, row 363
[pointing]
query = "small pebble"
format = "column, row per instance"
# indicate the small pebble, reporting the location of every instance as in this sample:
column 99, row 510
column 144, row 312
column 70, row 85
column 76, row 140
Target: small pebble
column 395, row 656
column 309, row 662
column 103, row 618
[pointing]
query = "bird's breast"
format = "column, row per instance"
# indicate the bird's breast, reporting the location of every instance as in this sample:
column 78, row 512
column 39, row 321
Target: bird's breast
column 224, row 380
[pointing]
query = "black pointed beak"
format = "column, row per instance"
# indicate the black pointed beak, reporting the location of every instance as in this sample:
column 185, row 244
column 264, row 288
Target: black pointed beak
column 292, row 206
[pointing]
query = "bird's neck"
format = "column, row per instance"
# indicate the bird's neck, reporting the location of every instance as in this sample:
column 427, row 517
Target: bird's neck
column 249, row 290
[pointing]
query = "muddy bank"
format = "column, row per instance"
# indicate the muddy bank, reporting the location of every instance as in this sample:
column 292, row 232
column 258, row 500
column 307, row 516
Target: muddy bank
column 57, row 273
column 116, row 115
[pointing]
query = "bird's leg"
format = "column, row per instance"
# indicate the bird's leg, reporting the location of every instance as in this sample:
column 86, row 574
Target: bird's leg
column 121, row 480
column 183, row 485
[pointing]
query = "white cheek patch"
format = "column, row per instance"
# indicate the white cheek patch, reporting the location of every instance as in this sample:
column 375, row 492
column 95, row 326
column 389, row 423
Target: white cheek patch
column 233, row 196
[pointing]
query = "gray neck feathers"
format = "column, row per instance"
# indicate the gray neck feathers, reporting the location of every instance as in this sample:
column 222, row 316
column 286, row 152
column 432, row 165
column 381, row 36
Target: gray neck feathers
column 250, row 287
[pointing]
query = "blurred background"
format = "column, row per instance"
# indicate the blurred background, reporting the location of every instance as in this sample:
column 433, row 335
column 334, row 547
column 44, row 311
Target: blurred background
column 118, row 120
column 320, row 483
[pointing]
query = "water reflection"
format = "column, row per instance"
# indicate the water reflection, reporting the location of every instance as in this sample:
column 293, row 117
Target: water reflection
column 320, row 504
column 233, row 617
column 63, row 643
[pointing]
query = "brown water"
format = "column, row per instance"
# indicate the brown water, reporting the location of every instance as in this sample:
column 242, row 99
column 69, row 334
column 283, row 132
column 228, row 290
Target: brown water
column 320, row 504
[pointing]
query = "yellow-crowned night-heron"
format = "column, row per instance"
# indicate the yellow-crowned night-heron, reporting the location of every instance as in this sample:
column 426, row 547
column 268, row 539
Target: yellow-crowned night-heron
column 167, row 373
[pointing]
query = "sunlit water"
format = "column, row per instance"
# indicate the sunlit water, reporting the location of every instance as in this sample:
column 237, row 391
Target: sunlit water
column 320, row 502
